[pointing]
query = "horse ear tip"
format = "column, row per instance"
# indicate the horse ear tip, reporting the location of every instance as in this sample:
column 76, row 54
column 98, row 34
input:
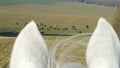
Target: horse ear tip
column 102, row 18
column 102, row 21
column 32, row 22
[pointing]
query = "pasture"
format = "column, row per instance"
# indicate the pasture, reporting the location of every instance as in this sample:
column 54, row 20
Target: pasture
column 63, row 15
column 77, row 53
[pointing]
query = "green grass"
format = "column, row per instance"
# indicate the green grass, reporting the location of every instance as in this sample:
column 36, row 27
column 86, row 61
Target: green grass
column 61, row 14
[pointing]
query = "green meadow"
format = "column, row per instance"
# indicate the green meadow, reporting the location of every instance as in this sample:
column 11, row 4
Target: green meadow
column 60, row 15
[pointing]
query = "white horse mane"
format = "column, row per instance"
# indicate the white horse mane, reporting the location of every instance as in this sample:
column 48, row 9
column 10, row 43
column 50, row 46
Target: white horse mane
column 30, row 50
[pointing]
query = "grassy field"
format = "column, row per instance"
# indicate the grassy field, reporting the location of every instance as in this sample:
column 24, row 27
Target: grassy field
column 64, row 15
column 75, row 48
column 60, row 15
column 31, row 1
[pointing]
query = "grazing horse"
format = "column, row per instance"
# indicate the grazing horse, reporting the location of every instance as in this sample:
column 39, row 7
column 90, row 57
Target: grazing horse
column 30, row 50
column 103, row 47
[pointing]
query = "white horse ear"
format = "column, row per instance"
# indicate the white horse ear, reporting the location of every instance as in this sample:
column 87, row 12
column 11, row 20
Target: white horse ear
column 29, row 50
column 103, row 48
column 103, row 27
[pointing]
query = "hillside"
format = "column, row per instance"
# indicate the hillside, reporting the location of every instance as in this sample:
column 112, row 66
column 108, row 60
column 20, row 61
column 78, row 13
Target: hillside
column 98, row 2
column 63, row 15
column 31, row 1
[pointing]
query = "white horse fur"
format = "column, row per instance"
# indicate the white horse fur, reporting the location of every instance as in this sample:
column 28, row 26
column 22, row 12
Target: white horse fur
column 103, row 48
column 30, row 50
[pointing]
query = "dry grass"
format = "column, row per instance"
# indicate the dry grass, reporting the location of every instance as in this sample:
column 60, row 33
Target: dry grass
column 72, row 50
column 5, row 50
column 62, row 14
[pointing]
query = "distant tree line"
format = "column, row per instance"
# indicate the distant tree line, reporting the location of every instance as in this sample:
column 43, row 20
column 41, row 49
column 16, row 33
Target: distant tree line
column 79, row 0
column 100, row 2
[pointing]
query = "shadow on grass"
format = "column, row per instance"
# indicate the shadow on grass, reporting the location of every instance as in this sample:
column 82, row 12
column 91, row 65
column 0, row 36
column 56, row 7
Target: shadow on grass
column 9, row 34
column 14, row 34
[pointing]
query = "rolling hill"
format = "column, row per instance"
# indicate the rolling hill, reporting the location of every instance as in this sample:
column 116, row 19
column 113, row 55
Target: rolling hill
column 69, row 17
column 65, row 15
column 31, row 1
column 101, row 2
column 98, row 2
